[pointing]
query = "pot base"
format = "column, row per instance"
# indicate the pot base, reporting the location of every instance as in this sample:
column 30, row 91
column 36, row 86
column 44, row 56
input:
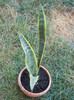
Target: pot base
column 38, row 93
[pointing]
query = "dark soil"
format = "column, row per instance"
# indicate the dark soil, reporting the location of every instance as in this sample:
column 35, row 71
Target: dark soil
column 41, row 84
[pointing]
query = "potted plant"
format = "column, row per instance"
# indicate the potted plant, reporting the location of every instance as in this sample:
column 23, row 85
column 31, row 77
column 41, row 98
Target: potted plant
column 34, row 80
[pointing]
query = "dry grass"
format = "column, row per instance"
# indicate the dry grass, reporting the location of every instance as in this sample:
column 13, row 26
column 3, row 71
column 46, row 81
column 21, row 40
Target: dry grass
column 63, row 24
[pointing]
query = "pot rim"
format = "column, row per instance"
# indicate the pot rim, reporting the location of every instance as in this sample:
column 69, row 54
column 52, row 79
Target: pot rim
column 30, row 94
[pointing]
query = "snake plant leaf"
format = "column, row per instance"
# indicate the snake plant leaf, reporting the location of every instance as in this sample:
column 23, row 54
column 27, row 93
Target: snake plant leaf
column 42, row 34
column 33, row 81
column 30, row 58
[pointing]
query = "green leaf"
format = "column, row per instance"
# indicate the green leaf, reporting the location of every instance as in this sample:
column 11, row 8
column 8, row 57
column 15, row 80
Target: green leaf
column 42, row 34
column 30, row 58
column 33, row 81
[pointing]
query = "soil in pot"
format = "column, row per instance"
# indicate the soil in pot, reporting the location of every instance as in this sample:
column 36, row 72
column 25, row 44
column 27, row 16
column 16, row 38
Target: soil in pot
column 41, row 85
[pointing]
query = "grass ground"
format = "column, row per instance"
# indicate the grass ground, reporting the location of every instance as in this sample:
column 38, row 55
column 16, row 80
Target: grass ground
column 59, row 52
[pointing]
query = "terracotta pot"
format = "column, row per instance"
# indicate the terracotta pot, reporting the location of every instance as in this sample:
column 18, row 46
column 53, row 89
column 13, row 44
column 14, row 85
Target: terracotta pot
column 33, row 94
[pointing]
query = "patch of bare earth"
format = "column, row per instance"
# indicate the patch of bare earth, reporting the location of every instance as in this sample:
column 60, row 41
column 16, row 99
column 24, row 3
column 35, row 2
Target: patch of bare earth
column 63, row 24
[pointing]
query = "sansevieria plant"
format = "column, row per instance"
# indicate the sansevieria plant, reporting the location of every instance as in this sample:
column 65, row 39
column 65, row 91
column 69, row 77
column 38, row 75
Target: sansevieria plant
column 32, row 62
